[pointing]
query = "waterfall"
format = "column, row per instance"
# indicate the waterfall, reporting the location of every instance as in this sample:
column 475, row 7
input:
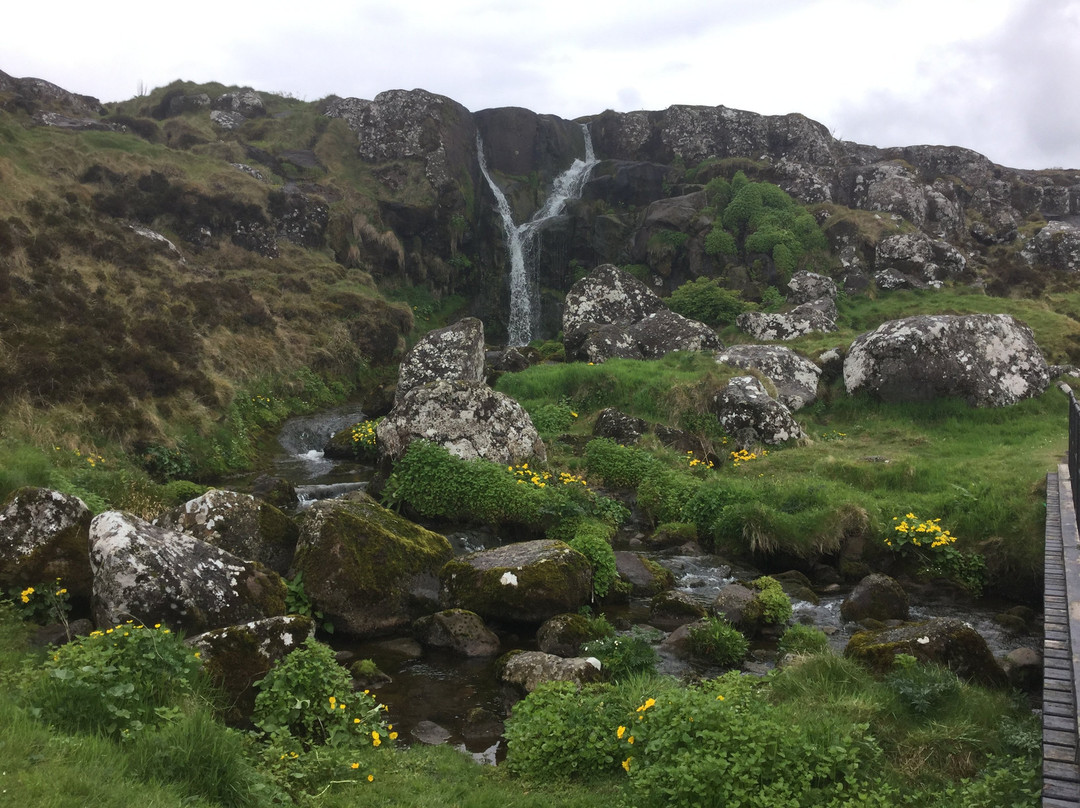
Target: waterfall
column 520, row 239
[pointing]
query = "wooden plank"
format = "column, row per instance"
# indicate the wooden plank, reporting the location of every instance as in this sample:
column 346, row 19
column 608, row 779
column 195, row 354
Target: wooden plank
column 1060, row 737
column 1067, row 772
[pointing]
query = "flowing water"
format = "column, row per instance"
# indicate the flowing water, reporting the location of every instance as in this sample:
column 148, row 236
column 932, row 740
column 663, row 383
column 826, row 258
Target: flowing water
column 520, row 239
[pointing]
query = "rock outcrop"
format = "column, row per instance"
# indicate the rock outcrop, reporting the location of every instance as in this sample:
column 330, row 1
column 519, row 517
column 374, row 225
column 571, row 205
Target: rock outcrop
column 990, row 360
column 43, row 537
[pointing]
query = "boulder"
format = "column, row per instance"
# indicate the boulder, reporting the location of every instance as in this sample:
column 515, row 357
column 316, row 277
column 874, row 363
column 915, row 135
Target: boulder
column 276, row 491
column 674, row 608
column 236, row 657
column 522, row 582
column 991, row 360
column 794, row 377
column 733, row 603
column 246, row 102
column 948, row 642
column 370, row 571
column 564, row 634
column 745, row 404
column 238, row 523
column 915, row 255
column 229, row 121
column 155, row 575
column 645, row 576
column 606, row 296
column 804, row 319
column 467, row 418
column 457, row 630
column 455, row 352
column 889, row 280
column 663, row 332
column 1056, row 246
column 1024, row 668
column 43, row 537
column 875, row 597
column 527, row 670
column 620, row 427
column 807, row 286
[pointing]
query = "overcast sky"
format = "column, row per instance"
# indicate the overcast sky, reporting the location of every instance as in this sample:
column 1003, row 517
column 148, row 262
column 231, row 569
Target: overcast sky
column 998, row 76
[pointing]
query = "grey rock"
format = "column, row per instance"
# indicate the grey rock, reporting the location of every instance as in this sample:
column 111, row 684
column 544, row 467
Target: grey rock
column 795, row 377
column 1056, row 246
column 745, row 404
column 453, row 353
column 528, row 670
column 459, row 631
column 229, row 121
column 620, row 427
column 807, row 286
column 806, row 318
column 43, row 537
column 875, row 597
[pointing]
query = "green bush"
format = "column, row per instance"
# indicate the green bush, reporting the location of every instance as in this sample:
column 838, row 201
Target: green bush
column 618, row 466
column 664, row 492
column 706, row 300
column 117, row 681
column 774, row 603
column 803, row 641
column 593, row 540
column 718, row 641
column 922, row 688
column 307, row 698
column 623, row 655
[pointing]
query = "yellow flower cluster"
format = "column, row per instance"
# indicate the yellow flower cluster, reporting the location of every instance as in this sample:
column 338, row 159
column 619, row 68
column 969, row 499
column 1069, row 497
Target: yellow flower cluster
column 743, row 456
column 694, row 462
column 541, row 479
column 364, row 433
column 922, row 533
column 26, row 593
column 262, row 401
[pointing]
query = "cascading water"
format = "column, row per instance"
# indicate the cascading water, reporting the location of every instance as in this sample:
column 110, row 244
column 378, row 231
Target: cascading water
column 520, row 240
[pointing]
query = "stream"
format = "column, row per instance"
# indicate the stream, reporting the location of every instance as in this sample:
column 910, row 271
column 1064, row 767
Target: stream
column 437, row 697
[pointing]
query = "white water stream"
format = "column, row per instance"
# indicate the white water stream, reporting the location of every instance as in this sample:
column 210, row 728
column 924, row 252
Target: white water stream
column 520, row 241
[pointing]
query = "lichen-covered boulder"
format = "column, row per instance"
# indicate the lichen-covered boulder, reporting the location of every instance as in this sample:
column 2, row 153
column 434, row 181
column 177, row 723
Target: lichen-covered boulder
column 455, row 352
column 154, row 575
column 946, row 641
column 794, row 377
column 1057, row 246
column 468, row 419
column 527, row 670
column 523, row 582
column 875, row 597
column 807, row 286
column 991, row 360
column 564, row 634
column 806, row 318
column 43, row 536
column 915, row 255
column 238, row 523
column 745, row 404
column 457, row 630
column 644, row 575
column 606, row 296
column 620, row 427
column 663, row 332
column 235, row 657
column 370, row 571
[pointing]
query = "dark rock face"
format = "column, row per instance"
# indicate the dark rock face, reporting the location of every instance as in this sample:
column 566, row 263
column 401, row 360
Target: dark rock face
column 155, row 575
column 947, row 642
column 43, row 536
column 240, row 524
column 620, row 427
column 991, row 360
column 370, row 571
column 875, row 597
column 32, row 95
column 795, row 378
column 524, row 582
column 745, row 404
column 459, row 631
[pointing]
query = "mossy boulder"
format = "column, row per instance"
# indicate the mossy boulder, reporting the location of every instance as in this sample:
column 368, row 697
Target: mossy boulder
column 523, row 582
column 564, row 634
column 675, row 608
column 239, row 523
column 875, row 597
column 948, row 642
column 43, row 536
column 155, row 575
column 457, row 630
column 370, row 571
column 235, row 657
column 644, row 575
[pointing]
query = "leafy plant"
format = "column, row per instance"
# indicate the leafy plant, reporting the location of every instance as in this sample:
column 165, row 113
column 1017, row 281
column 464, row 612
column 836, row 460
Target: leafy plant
column 619, row 466
column 803, row 640
column 706, row 300
column 593, row 540
column 298, row 602
column 774, row 604
column 623, row 655
column 716, row 640
column 44, row 603
column 922, row 688
column 117, row 681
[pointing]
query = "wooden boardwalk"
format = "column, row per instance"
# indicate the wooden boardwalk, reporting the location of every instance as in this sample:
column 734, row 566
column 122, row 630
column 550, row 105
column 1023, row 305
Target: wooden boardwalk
column 1061, row 645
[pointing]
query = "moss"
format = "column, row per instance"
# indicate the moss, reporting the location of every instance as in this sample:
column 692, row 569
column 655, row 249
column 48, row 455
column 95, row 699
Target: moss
column 275, row 528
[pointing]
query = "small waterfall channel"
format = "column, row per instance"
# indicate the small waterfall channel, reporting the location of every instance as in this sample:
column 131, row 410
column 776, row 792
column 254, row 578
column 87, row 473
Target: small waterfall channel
column 520, row 239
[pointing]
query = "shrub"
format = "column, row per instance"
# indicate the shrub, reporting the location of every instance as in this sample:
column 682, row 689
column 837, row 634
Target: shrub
column 592, row 540
column 619, row 466
column 706, row 300
column 623, row 655
column 307, row 697
column 117, row 681
column 716, row 640
column 803, row 641
column 664, row 492
column 774, row 603
column 921, row 688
